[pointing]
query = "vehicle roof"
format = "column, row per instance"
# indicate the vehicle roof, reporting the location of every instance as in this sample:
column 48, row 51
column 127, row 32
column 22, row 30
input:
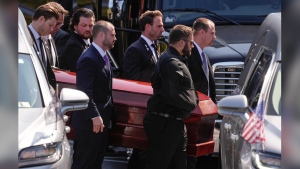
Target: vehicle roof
column 24, row 37
column 271, row 27
column 267, row 37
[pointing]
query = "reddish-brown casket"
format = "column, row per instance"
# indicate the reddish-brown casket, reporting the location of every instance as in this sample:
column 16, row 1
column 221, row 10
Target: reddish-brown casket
column 130, row 101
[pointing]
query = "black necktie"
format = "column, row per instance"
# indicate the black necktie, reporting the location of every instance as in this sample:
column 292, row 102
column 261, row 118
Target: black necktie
column 155, row 50
column 42, row 54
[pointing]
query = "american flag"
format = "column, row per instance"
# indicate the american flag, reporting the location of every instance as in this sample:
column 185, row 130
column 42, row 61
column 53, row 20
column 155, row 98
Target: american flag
column 253, row 131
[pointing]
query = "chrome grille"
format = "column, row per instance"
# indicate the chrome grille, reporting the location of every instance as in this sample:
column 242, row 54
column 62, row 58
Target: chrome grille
column 226, row 77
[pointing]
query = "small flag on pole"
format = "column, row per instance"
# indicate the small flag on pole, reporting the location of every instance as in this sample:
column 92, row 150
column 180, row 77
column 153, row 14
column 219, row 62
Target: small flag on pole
column 253, row 131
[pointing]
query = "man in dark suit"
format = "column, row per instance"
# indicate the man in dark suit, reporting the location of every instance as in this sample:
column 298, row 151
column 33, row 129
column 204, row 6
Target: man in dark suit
column 139, row 64
column 43, row 21
column 94, row 77
column 141, row 56
column 199, row 65
column 81, row 25
column 58, row 38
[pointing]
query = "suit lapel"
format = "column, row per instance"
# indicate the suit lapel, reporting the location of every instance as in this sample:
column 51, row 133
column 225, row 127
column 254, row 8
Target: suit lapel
column 33, row 38
column 101, row 60
column 148, row 49
column 198, row 57
column 52, row 43
column 76, row 36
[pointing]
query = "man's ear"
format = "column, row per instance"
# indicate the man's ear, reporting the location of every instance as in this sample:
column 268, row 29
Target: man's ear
column 202, row 32
column 181, row 42
column 75, row 27
column 147, row 26
column 41, row 19
column 101, row 34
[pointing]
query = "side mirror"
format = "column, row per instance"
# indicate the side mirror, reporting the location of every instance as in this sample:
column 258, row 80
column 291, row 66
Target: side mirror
column 72, row 99
column 233, row 106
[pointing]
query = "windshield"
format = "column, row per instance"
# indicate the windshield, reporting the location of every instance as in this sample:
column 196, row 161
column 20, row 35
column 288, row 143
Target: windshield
column 240, row 11
column 29, row 94
column 274, row 103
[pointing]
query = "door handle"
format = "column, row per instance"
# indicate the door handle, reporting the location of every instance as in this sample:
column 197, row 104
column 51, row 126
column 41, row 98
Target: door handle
column 227, row 126
column 234, row 137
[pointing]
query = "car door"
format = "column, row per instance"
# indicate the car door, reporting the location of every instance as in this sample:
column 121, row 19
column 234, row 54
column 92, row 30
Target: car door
column 253, row 91
column 232, row 126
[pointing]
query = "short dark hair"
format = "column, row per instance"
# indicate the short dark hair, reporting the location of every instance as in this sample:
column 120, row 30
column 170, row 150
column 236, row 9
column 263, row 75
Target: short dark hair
column 47, row 11
column 147, row 18
column 201, row 23
column 179, row 32
column 58, row 7
column 81, row 12
column 101, row 26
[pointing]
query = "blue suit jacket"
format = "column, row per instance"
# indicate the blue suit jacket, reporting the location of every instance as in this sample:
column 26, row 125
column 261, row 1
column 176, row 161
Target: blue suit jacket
column 93, row 78
column 139, row 62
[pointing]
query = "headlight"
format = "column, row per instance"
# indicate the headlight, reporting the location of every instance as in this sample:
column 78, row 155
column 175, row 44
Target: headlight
column 263, row 160
column 38, row 155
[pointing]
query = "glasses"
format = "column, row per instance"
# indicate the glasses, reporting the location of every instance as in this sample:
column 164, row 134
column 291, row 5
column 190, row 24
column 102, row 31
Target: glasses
column 59, row 24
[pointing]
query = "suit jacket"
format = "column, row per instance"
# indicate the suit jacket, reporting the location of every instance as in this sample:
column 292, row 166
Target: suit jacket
column 93, row 78
column 48, row 69
column 61, row 38
column 54, row 55
column 72, row 51
column 139, row 62
column 198, row 75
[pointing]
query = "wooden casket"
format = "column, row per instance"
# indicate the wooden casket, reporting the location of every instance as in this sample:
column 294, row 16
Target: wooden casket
column 130, row 101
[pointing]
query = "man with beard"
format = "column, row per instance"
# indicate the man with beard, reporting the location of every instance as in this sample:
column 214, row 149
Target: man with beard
column 139, row 64
column 94, row 77
column 199, row 65
column 141, row 56
column 43, row 22
column 173, row 100
column 81, row 25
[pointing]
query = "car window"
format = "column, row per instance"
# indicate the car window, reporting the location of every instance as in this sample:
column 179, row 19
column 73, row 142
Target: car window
column 274, row 102
column 29, row 94
column 252, row 91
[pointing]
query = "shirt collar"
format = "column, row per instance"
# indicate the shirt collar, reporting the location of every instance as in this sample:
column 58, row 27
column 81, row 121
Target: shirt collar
column 86, row 41
column 48, row 36
column 101, row 51
column 198, row 47
column 34, row 32
column 149, row 42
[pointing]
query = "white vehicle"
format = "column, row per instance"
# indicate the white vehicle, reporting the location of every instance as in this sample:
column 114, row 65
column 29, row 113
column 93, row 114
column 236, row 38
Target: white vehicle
column 260, row 82
column 42, row 132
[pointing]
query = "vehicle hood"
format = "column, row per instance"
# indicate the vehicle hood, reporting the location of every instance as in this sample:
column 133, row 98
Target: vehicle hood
column 273, row 134
column 37, row 126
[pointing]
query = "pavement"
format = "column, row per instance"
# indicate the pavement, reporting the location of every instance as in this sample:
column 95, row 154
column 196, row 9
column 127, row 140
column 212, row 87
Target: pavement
column 117, row 157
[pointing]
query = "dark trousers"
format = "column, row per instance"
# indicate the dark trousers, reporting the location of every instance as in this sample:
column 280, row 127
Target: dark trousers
column 137, row 159
column 191, row 162
column 90, row 149
column 167, row 140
